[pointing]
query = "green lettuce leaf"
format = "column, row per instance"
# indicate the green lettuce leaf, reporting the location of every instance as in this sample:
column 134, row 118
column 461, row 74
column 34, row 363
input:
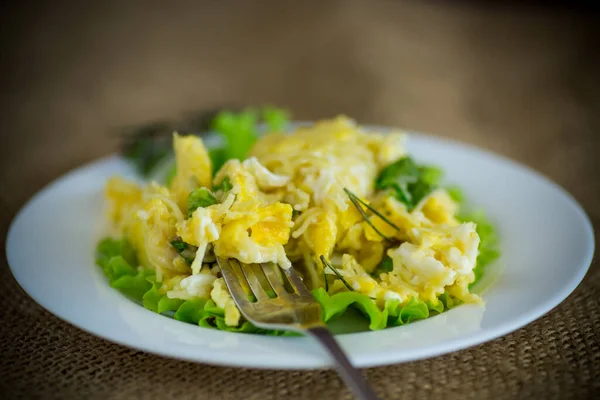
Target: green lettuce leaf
column 109, row 248
column 409, row 182
column 218, row 157
column 151, row 298
column 225, row 185
column 430, row 175
column 134, row 286
column 412, row 311
column 245, row 327
column 150, row 146
column 438, row 307
column 393, row 313
column 337, row 304
column 276, row 119
column 489, row 244
column 456, row 194
column 166, row 304
column 239, row 130
column 448, row 301
column 141, row 286
column 118, row 267
column 117, row 259
column 200, row 197
column 191, row 311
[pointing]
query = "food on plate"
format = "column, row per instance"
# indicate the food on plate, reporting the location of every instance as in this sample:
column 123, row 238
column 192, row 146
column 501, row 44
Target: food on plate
column 363, row 223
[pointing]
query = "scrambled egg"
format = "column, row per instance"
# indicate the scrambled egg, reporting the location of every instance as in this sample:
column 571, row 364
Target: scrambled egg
column 439, row 258
column 287, row 204
column 193, row 168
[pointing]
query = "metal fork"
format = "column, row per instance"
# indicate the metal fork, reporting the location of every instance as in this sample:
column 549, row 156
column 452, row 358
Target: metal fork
column 297, row 311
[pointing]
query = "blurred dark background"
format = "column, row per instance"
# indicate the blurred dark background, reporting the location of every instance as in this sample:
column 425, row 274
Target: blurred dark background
column 518, row 78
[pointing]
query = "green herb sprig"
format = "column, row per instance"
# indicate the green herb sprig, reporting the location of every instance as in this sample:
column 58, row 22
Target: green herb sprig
column 147, row 146
column 327, row 264
column 357, row 202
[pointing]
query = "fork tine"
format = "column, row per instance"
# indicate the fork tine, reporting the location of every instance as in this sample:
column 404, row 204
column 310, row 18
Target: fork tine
column 241, row 278
column 257, row 289
column 238, row 294
column 296, row 282
column 274, row 278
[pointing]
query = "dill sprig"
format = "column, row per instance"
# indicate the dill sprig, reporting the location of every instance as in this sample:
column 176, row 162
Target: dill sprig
column 358, row 202
column 327, row 264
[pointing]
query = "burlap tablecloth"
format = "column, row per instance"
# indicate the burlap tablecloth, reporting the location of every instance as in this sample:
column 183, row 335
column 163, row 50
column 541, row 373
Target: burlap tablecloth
column 520, row 81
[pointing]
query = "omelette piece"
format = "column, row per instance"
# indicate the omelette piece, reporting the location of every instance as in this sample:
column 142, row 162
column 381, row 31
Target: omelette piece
column 220, row 295
column 151, row 233
column 265, row 179
column 397, row 213
column 438, row 208
column 247, row 225
column 440, row 257
column 258, row 236
column 318, row 230
column 388, row 148
column 123, row 198
column 321, row 160
column 194, row 167
column 204, row 227
column 192, row 287
column 146, row 216
column 315, row 235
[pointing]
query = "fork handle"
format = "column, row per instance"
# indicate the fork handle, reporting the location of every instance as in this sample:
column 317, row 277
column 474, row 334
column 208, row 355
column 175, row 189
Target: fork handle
column 349, row 374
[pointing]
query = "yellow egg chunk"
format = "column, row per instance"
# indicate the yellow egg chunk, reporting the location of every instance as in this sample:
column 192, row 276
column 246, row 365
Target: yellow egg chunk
column 246, row 225
column 323, row 159
column 245, row 238
column 440, row 257
column 194, row 167
column 439, row 208
column 273, row 226
column 151, row 233
column 123, row 198
column 245, row 184
column 191, row 287
column 370, row 255
column 318, row 229
column 397, row 213
column 200, row 230
column 295, row 200
column 220, row 295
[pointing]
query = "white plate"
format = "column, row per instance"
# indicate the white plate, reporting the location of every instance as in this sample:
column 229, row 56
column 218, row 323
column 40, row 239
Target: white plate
column 547, row 245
